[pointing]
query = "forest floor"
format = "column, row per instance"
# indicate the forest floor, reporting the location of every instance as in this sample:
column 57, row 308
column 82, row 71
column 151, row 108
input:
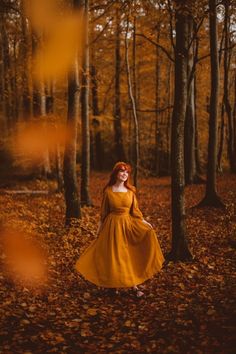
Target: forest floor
column 187, row 307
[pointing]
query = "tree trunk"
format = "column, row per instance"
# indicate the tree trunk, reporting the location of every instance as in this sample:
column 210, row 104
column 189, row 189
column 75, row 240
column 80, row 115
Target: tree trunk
column 197, row 156
column 119, row 149
column 70, row 174
column 157, row 105
column 7, row 108
column 211, row 198
column 37, row 109
column 234, row 110
column 97, row 154
column 189, row 131
column 179, row 249
column 133, row 103
column 85, row 165
column 14, row 83
column 25, row 50
column 228, row 109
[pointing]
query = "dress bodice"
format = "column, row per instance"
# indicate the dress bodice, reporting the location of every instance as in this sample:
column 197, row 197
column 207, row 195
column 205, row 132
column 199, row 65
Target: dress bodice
column 119, row 203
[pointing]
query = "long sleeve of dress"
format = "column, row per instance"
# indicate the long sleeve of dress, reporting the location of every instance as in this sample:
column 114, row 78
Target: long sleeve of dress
column 105, row 209
column 135, row 211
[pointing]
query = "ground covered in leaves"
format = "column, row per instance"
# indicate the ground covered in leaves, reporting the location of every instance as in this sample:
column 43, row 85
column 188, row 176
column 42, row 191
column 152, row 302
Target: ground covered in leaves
column 187, row 307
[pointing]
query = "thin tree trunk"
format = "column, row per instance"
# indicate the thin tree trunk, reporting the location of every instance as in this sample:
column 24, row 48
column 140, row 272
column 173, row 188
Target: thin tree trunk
column 222, row 134
column 198, row 161
column 189, row 131
column 37, row 109
column 85, row 165
column 119, row 149
column 157, row 105
column 133, row 103
column 169, row 102
column 228, row 109
column 14, row 83
column 69, row 172
column 179, row 249
column 234, row 111
column 6, row 77
column 97, row 145
column 25, row 50
column 211, row 198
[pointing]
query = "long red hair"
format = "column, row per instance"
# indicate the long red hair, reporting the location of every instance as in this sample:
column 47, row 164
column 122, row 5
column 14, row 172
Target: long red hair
column 113, row 176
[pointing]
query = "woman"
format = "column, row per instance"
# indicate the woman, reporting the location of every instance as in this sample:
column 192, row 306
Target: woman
column 126, row 252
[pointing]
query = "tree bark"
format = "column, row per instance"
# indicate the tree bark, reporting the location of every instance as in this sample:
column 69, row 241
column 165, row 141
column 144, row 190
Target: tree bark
column 119, row 148
column 96, row 143
column 37, row 89
column 85, row 165
column 6, row 83
column 179, row 249
column 157, row 105
column 189, row 131
column 133, row 103
column 69, row 172
column 221, row 134
column 211, row 197
column 26, row 50
column 227, row 105
column 198, row 160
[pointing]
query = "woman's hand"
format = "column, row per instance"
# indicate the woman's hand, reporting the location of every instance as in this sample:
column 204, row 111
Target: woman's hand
column 145, row 222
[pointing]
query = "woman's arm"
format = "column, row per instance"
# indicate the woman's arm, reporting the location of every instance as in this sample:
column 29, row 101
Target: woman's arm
column 105, row 209
column 136, row 212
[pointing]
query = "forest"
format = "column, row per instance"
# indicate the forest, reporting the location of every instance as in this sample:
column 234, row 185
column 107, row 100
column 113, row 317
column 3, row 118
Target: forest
column 86, row 84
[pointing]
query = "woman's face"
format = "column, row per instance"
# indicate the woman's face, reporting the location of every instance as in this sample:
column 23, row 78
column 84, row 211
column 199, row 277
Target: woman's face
column 122, row 175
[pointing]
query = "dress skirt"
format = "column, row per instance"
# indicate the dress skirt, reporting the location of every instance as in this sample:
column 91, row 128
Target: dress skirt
column 126, row 251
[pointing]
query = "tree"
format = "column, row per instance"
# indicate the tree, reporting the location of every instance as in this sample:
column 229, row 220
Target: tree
column 211, row 197
column 179, row 248
column 85, row 163
column 25, row 51
column 97, row 152
column 133, row 104
column 119, row 148
column 69, row 172
column 226, row 95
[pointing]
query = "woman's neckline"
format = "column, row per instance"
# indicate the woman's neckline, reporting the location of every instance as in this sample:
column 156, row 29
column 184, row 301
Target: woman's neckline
column 118, row 191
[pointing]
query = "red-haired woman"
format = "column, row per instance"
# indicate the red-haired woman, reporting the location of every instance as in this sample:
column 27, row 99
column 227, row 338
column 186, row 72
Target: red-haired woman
column 126, row 252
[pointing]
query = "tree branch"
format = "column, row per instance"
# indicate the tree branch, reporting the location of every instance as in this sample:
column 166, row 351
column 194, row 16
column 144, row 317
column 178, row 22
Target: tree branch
column 156, row 44
column 160, row 110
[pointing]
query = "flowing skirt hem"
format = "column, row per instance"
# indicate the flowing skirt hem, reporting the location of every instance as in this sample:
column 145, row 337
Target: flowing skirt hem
column 139, row 280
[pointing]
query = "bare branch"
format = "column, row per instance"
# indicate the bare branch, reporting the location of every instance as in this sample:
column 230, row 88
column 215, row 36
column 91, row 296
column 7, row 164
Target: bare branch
column 102, row 31
column 160, row 110
column 156, row 44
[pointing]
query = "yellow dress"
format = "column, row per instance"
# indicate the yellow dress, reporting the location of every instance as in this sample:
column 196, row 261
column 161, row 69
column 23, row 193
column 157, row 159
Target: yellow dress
column 126, row 252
